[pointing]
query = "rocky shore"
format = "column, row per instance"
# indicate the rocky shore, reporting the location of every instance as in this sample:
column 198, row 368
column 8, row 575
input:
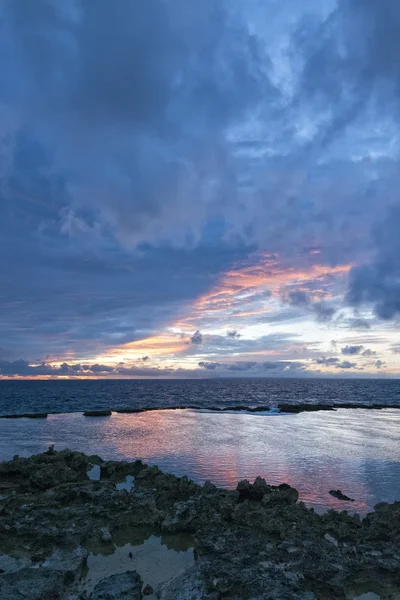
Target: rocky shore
column 283, row 408
column 256, row 542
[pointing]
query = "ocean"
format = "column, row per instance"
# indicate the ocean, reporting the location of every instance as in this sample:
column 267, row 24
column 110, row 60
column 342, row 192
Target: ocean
column 80, row 395
column 355, row 450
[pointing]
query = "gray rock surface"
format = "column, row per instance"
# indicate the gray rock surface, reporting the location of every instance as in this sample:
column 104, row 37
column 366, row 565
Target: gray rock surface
column 255, row 543
column 33, row 584
column 124, row 586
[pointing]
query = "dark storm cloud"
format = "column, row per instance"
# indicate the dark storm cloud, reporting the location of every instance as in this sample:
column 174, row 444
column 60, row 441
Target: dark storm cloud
column 233, row 334
column 327, row 361
column 323, row 311
column 114, row 118
column 210, row 366
column 335, row 362
column 222, row 346
column 134, row 98
column 346, row 365
column 351, row 350
column 147, row 146
column 298, row 298
column 378, row 283
column 23, row 368
column 54, row 300
column 196, row 338
column 358, row 323
column 369, row 353
column 272, row 367
column 352, row 66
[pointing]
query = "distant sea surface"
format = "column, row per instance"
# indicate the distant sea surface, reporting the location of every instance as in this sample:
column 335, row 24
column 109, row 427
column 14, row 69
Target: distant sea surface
column 79, row 395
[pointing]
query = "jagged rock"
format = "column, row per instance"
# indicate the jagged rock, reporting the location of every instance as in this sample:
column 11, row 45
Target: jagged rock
column 282, row 494
column 340, row 496
column 254, row 542
column 255, row 491
column 123, row 586
column 188, row 586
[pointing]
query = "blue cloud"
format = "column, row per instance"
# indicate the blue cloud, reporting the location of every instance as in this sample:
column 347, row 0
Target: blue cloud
column 146, row 147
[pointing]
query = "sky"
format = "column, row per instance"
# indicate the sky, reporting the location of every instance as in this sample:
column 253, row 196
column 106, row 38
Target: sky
column 199, row 189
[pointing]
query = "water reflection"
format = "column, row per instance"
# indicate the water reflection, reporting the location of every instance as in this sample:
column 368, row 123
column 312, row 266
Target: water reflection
column 355, row 451
column 154, row 558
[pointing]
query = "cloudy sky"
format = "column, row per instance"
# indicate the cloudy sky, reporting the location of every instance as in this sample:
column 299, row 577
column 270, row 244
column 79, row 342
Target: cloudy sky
column 199, row 189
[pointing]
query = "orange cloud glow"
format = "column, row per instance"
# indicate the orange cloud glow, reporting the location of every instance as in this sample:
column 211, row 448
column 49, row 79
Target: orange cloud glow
column 244, row 291
column 238, row 286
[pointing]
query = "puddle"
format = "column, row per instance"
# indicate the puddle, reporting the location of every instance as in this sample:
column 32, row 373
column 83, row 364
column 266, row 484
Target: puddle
column 373, row 591
column 157, row 559
column 94, row 473
column 127, row 485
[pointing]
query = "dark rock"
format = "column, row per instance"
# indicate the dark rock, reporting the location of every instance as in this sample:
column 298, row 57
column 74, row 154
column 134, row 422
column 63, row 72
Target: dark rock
column 124, row 586
column 97, row 413
column 284, row 493
column 304, row 407
column 32, row 584
column 253, row 491
column 254, row 542
column 147, row 590
column 188, row 586
column 340, row 496
column 26, row 416
column 209, row 488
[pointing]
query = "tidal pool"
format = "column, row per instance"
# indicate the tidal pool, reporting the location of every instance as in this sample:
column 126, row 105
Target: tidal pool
column 356, row 451
column 157, row 559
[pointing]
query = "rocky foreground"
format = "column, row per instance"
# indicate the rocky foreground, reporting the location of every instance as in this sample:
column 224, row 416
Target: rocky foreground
column 257, row 542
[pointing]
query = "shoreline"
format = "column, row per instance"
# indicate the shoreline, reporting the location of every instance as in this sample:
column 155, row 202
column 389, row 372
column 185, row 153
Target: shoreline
column 255, row 541
column 281, row 408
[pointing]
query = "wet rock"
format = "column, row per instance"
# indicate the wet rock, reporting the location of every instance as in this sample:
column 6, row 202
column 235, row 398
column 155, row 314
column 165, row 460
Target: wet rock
column 117, row 471
column 33, row 584
column 188, row 586
column 329, row 538
column 26, row 416
column 123, row 586
column 304, row 407
column 340, row 496
column 97, row 413
column 66, row 561
column 283, row 494
column 209, row 488
column 255, row 491
column 147, row 590
column 255, row 542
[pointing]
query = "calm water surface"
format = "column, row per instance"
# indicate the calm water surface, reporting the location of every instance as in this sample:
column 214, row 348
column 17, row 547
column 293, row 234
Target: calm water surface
column 357, row 451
